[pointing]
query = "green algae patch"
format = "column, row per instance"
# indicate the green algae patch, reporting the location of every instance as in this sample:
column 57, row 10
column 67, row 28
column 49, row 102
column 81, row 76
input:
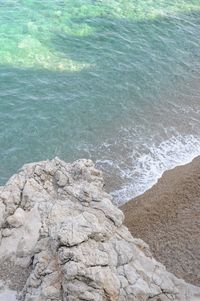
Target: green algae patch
column 31, row 53
column 29, row 28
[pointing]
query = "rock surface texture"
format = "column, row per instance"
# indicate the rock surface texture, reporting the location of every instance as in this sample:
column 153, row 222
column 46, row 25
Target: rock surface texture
column 57, row 221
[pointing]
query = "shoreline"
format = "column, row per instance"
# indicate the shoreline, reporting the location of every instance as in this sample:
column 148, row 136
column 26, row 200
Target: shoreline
column 144, row 172
column 167, row 218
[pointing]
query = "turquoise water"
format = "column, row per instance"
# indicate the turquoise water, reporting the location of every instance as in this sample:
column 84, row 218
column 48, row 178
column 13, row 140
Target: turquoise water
column 116, row 81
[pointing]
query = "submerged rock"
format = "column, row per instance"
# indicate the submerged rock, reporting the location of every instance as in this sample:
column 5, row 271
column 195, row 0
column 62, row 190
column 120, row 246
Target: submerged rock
column 56, row 220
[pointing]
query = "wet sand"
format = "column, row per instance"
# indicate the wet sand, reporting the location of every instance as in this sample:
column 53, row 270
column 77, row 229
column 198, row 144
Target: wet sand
column 167, row 217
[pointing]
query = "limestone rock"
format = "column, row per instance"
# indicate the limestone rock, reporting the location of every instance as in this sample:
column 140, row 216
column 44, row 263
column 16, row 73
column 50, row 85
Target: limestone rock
column 56, row 218
column 17, row 219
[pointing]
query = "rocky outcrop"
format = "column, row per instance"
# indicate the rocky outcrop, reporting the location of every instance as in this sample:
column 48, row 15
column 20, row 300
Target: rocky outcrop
column 56, row 219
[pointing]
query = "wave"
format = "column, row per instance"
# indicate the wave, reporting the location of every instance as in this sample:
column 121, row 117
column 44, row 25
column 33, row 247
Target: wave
column 148, row 167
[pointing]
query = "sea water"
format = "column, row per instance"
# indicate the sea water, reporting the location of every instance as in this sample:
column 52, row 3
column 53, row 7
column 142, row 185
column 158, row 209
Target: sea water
column 117, row 81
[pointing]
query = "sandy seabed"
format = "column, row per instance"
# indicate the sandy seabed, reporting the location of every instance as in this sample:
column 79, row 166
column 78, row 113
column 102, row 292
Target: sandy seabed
column 167, row 217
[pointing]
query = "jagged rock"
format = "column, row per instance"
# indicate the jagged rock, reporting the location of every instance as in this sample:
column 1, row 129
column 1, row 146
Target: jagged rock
column 56, row 218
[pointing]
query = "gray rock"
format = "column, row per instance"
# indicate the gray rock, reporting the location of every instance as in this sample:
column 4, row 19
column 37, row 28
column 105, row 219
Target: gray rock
column 56, row 218
column 17, row 219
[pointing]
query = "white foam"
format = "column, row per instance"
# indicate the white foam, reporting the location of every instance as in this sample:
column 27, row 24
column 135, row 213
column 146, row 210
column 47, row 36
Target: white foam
column 149, row 166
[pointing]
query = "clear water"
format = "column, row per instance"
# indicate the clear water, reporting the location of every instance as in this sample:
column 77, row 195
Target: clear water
column 117, row 81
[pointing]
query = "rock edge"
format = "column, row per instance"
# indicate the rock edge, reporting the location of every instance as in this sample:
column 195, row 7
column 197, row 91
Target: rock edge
column 56, row 219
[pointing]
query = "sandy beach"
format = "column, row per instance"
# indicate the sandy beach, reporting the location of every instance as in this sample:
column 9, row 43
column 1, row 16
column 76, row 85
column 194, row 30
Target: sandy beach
column 167, row 217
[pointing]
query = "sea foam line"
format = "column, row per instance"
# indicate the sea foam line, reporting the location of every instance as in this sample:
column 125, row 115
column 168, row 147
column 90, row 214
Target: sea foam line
column 148, row 168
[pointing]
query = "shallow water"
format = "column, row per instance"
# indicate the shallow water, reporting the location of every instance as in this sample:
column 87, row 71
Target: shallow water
column 116, row 81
